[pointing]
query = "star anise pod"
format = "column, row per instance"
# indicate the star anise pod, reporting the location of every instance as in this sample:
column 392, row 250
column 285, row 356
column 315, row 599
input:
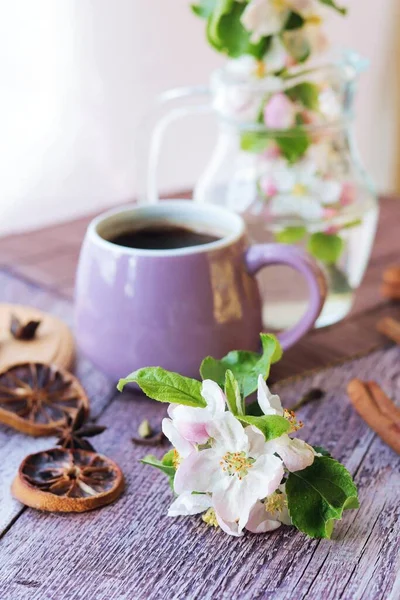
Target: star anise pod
column 38, row 399
column 73, row 433
column 23, row 331
column 65, row 480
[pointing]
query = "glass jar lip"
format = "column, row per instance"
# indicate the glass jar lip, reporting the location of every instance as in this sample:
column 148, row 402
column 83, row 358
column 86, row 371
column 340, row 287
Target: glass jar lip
column 346, row 64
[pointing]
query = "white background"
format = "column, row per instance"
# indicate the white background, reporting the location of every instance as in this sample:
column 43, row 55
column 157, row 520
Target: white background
column 77, row 76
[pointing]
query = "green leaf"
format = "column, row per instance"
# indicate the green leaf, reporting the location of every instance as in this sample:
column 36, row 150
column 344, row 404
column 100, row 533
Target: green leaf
column 351, row 224
column 153, row 461
column 165, row 465
column 297, row 44
column 294, row 21
column 233, row 395
column 307, row 93
column 272, row 426
column 166, row 386
column 318, row 495
column 322, row 451
column 293, row 143
column 226, row 33
column 290, row 235
column 254, row 141
column 340, row 9
column 204, row 8
column 245, row 366
column 325, row 247
column 168, row 458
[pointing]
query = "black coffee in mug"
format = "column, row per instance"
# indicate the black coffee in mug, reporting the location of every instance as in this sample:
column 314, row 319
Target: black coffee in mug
column 163, row 237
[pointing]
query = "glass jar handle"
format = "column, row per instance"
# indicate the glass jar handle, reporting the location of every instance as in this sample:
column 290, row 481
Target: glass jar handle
column 170, row 106
column 264, row 255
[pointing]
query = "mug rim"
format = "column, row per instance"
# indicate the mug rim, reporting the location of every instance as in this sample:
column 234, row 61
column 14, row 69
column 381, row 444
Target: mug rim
column 235, row 230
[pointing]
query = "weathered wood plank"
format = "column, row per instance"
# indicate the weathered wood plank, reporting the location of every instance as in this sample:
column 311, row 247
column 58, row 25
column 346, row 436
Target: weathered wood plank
column 14, row 446
column 133, row 550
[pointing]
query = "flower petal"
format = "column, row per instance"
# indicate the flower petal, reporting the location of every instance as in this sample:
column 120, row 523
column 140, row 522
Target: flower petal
column 228, row 434
column 264, row 477
column 189, row 504
column 190, row 422
column 279, row 112
column 269, row 403
column 295, row 453
column 183, row 447
column 214, row 397
column 256, row 441
column 260, row 521
column 199, row 472
column 231, row 528
column 263, row 19
column 232, row 502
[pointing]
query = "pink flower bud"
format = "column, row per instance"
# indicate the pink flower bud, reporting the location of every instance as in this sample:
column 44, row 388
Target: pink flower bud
column 329, row 213
column 268, row 186
column 272, row 152
column 279, row 113
column 348, row 194
column 331, row 230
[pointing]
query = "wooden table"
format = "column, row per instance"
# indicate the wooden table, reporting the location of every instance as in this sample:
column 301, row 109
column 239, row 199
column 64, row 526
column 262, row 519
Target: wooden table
column 49, row 257
column 131, row 549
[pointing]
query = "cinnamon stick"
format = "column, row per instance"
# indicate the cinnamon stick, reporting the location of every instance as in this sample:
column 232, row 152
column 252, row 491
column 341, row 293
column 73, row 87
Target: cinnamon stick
column 391, row 275
column 389, row 327
column 391, row 291
column 385, row 405
column 377, row 411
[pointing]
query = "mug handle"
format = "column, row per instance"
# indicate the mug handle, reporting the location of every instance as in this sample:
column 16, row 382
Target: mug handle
column 264, row 255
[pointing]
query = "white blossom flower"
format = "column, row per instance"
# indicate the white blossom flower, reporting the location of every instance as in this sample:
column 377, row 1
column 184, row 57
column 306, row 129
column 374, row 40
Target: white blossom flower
column 268, row 17
column 279, row 112
column 295, row 454
column 190, row 422
column 298, row 189
column 237, row 470
column 260, row 520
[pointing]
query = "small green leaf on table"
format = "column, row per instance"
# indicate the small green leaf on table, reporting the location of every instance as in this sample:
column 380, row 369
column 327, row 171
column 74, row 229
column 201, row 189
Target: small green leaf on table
column 325, row 247
column 307, row 93
column 166, row 386
column 272, row 426
column 290, row 235
column 165, row 465
column 245, row 366
column 318, row 495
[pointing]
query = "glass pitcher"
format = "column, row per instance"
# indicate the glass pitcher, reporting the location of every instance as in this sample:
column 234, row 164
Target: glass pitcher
column 285, row 159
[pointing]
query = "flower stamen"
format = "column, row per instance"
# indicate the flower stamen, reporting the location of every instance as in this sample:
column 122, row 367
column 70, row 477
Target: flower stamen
column 276, row 502
column 294, row 423
column 210, row 518
column 236, row 463
column 176, row 459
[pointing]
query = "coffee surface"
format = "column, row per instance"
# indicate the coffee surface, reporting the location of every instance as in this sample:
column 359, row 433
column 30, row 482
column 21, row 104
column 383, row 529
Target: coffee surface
column 158, row 237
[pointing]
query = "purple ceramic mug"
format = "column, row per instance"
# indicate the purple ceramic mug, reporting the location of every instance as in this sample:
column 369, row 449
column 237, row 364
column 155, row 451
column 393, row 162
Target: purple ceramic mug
column 171, row 308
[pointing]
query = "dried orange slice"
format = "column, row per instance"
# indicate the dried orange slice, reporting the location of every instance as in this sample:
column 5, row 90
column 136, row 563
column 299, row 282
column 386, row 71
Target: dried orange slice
column 62, row 480
column 38, row 399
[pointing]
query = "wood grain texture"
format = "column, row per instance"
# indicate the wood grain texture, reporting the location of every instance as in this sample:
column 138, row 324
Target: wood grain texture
column 133, row 550
column 13, row 445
